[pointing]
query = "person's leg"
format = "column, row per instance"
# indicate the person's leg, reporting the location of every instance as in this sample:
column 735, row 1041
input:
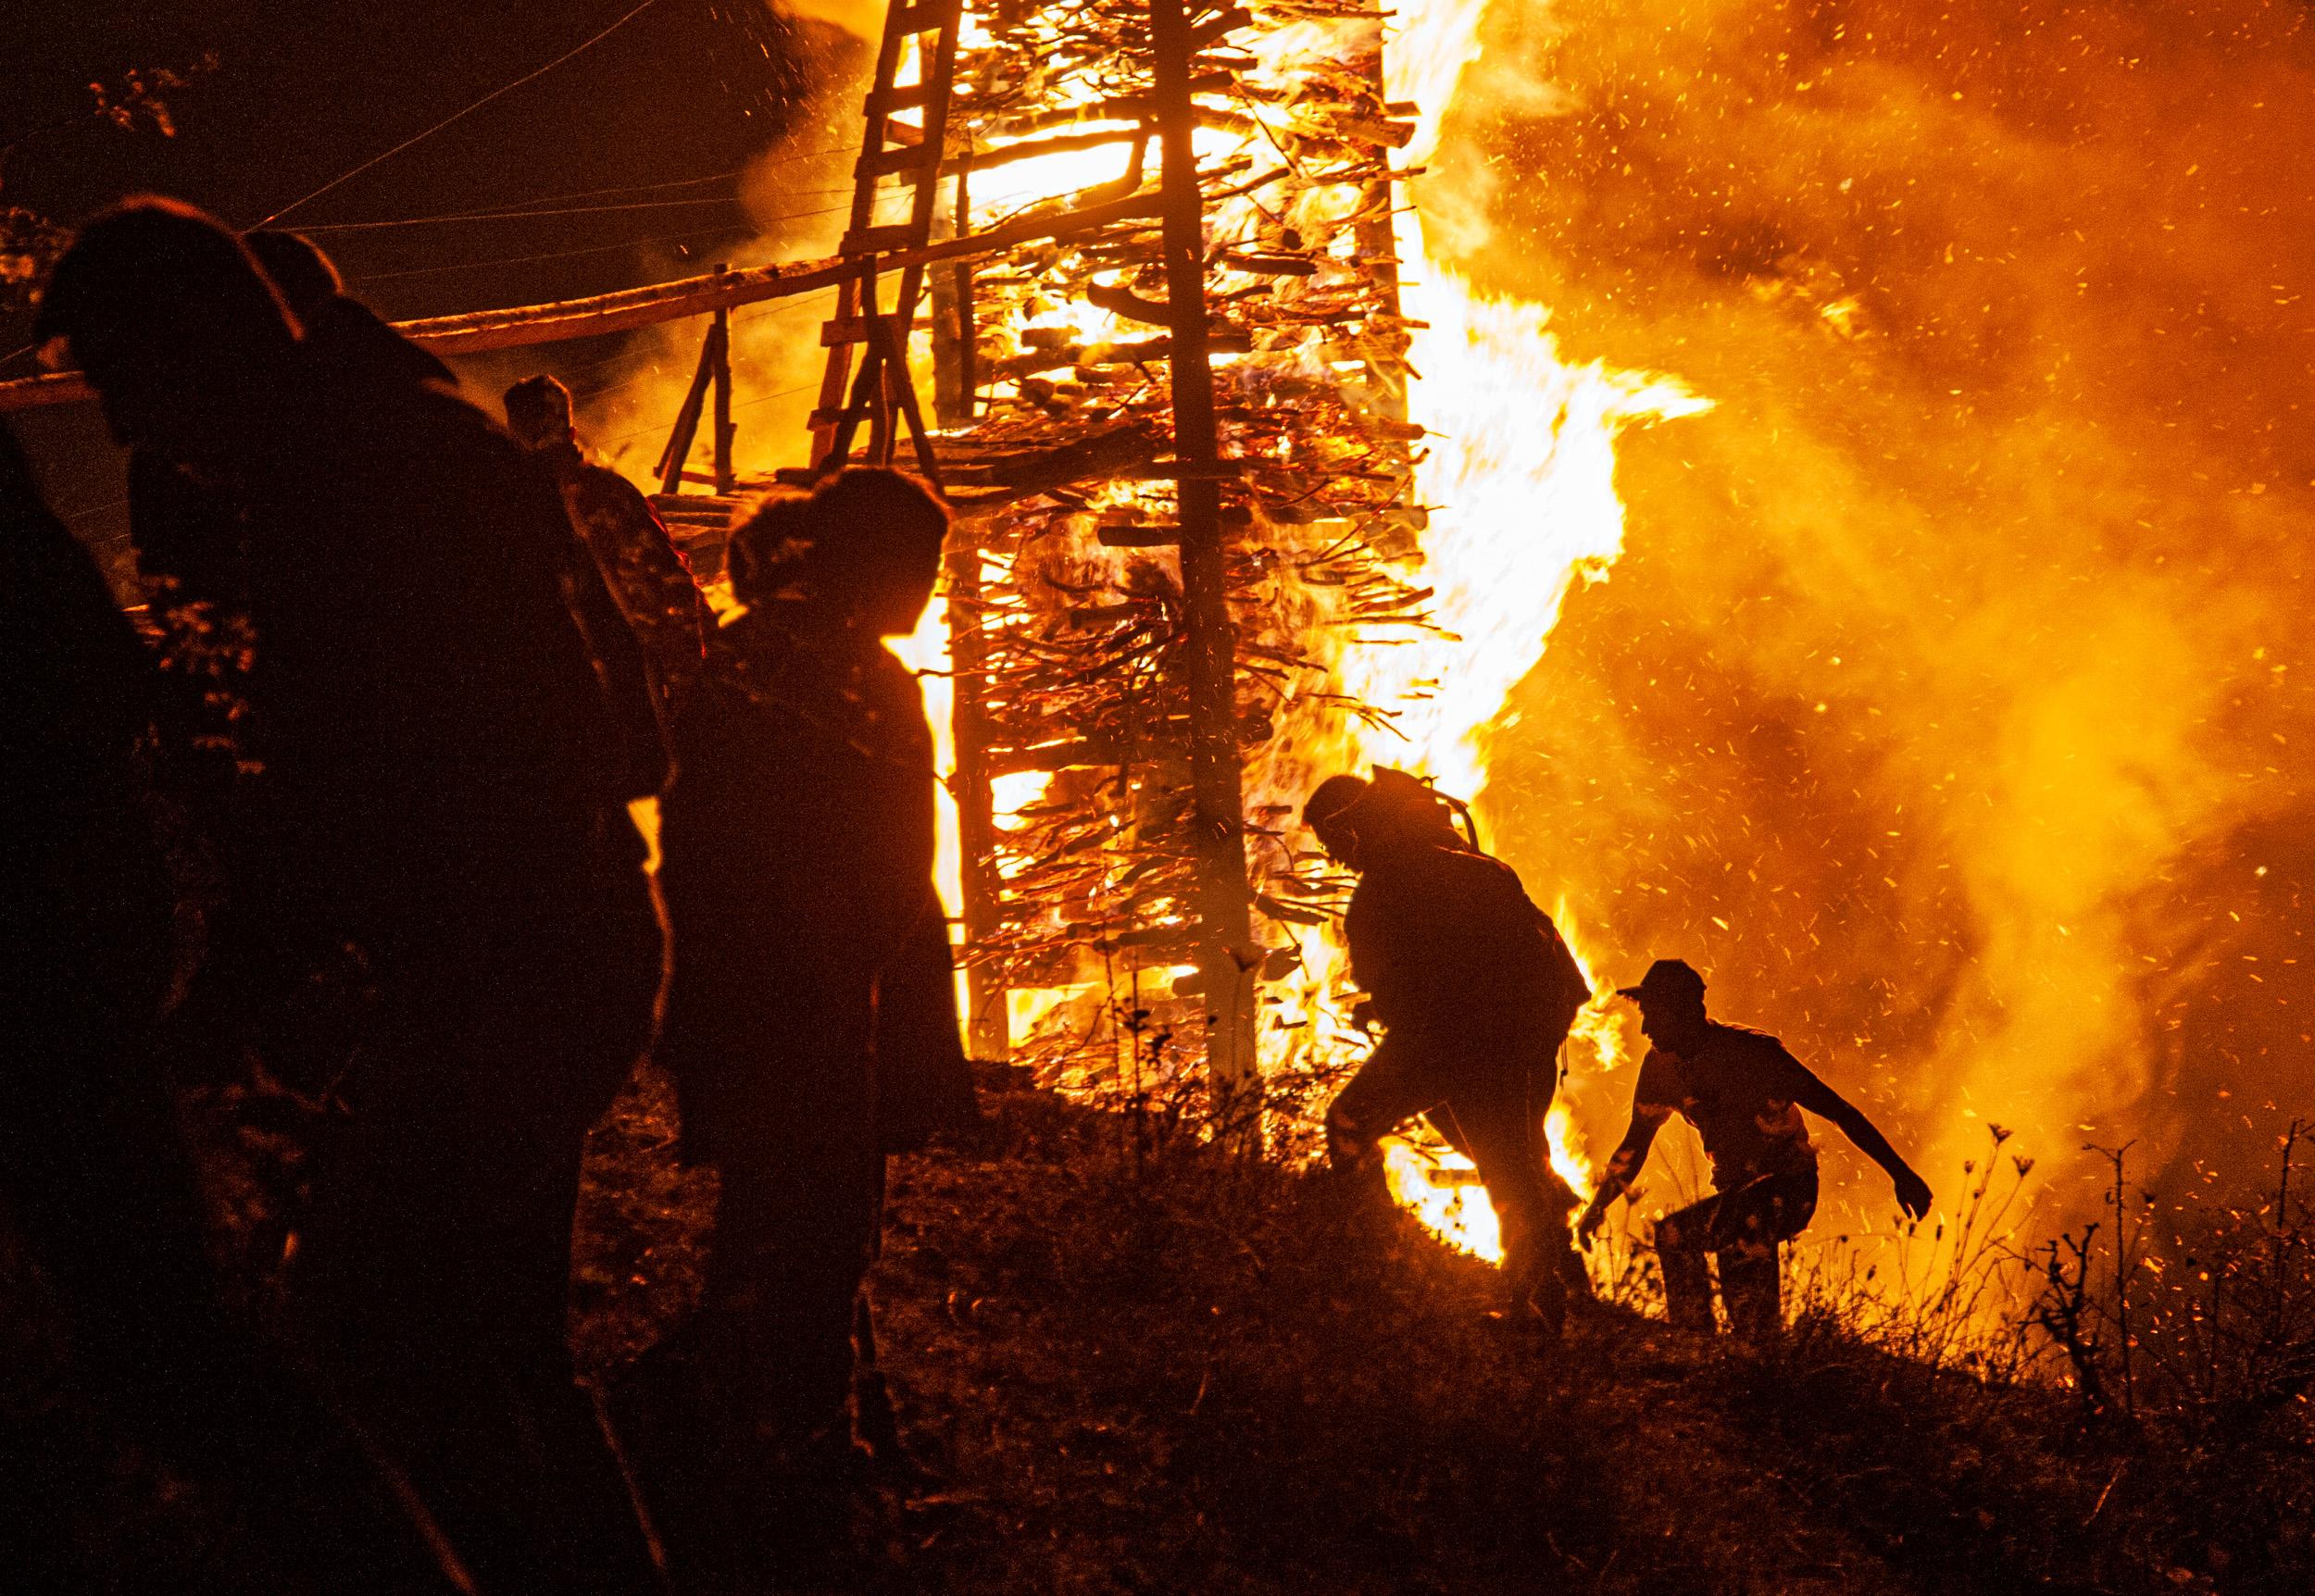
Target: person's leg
column 790, row 1125
column 97, row 1187
column 1499, row 1125
column 1751, row 1225
column 1683, row 1238
column 1394, row 1084
column 384, row 1287
column 595, row 966
column 576, row 974
column 794, row 1235
column 438, row 1267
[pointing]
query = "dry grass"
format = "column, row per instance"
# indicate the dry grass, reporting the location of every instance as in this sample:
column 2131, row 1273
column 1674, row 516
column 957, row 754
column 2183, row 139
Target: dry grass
column 1126, row 1364
column 1128, row 1368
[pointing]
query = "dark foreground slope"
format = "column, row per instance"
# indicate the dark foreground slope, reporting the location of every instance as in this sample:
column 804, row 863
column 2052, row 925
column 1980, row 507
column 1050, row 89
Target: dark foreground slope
column 1127, row 1368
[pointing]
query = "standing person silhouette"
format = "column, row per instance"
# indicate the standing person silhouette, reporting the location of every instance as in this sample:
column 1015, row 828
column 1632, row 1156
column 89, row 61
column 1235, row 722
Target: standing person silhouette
column 809, row 946
column 455, row 716
column 1745, row 1094
column 1475, row 991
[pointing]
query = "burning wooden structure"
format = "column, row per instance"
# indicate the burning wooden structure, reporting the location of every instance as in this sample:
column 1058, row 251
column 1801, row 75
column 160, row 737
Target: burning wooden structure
column 1173, row 414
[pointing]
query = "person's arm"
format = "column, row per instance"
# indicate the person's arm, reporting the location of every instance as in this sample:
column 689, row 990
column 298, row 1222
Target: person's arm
column 1571, row 991
column 678, row 588
column 653, row 581
column 923, row 1082
column 1809, row 1092
column 1648, row 1116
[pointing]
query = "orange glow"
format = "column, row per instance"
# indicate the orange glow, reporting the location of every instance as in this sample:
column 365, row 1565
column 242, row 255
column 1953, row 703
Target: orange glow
column 1518, row 478
column 1946, row 710
column 1950, row 713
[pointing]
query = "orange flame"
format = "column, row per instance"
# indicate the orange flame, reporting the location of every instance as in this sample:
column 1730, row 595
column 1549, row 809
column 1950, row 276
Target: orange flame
column 1518, row 478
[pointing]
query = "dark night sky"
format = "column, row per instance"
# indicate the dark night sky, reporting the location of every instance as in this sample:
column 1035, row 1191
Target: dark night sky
column 690, row 89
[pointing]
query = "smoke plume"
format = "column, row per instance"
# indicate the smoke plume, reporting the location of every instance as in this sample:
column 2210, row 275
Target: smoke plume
column 1950, row 707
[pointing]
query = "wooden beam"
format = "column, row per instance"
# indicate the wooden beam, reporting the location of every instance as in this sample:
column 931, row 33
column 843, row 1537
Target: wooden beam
column 52, row 388
column 562, row 320
column 695, row 295
column 1030, row 149
column 1121, row 450
column 527, row 325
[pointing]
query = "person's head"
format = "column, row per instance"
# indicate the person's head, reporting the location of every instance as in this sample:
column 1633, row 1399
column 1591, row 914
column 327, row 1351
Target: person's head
column 309, row 279
column 1332, row 811
column 764, row 557
column 538, row 412
column 1671, row 1003
column 184, row 339
column 875, row 549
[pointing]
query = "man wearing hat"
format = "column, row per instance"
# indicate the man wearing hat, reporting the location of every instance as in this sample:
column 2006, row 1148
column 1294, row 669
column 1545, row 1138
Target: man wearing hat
column 1743, row 1093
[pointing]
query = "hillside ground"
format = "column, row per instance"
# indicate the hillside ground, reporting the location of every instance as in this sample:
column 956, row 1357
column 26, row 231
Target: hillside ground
column 1121, row 1366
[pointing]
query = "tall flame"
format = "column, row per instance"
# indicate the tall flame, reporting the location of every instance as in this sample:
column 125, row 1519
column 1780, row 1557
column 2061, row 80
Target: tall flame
column 1948, row 713
column 1519, row 477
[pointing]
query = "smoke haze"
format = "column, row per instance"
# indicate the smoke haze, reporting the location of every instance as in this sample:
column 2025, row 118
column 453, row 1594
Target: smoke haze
column 1950, row 707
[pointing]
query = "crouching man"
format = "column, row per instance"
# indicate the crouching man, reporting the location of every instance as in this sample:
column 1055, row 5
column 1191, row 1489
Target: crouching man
column 1475, row 991
column 1743, row 1093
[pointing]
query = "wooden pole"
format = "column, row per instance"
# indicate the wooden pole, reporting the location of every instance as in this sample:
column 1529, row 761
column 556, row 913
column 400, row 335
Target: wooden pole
column 1226, row 955
column 953, row 330
column 720, row 336
column 678, row 441
column 988, row 1028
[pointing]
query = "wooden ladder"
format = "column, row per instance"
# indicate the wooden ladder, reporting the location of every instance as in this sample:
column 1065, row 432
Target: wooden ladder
column 879, row 391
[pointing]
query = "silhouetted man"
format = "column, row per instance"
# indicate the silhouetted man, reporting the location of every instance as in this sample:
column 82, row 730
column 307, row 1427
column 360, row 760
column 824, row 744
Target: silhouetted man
column 647, row 572
column 810, row 946
column 455, row 715
column 1475, row 991
column 94, row 1178
column 1743, row 1093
